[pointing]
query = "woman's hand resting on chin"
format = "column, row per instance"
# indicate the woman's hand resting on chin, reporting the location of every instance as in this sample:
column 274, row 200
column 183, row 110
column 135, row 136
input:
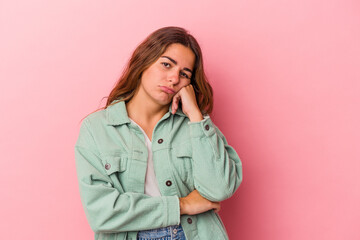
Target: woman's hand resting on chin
column 188, row 103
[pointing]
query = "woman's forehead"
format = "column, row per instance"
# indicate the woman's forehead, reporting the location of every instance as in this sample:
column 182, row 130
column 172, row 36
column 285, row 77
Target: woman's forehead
column 179, row 54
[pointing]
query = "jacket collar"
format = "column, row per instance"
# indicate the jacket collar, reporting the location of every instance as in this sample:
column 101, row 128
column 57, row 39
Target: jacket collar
column 116, row 114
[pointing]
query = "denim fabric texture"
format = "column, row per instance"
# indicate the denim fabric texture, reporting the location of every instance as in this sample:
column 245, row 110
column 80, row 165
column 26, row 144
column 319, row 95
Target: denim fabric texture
column 174, row 232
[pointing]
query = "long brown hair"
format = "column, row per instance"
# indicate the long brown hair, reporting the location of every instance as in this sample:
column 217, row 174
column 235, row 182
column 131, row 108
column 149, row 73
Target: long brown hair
column 147, row 52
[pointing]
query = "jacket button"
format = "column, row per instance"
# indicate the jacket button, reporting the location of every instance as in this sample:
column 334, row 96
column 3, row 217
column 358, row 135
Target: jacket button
column 207, row 127
column 189, row 220
column 168, row 183
column 107, row 166
column 160, row 140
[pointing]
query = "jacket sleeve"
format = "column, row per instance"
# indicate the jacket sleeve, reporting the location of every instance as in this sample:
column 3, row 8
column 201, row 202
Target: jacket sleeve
column 107, row 207
column 217, row 168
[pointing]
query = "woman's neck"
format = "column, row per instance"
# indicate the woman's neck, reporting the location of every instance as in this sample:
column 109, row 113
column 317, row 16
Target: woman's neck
column 145, row 111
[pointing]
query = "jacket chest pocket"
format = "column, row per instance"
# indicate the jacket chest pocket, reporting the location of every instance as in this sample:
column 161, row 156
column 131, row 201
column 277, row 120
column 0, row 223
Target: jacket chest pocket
column 115, row 166
column 183, row 161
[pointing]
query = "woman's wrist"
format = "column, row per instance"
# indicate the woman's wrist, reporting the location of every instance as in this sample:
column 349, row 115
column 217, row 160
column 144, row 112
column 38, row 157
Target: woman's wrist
column 182, row 206
column 196, row 117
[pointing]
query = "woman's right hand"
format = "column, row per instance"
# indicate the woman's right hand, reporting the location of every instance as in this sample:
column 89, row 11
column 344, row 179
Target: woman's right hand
column 194, row 203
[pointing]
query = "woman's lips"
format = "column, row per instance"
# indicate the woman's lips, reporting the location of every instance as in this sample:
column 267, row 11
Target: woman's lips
column 166, row 89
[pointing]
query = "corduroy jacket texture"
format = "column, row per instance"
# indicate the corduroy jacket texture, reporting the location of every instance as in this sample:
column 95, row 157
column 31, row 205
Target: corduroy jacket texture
column 111, row 161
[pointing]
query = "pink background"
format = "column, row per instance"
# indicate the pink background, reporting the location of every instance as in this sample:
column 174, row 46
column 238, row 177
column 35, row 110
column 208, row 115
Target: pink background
column 287, row 70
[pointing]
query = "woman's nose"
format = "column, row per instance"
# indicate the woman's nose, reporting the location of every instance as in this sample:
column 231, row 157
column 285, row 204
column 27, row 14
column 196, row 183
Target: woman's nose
column 174, row 77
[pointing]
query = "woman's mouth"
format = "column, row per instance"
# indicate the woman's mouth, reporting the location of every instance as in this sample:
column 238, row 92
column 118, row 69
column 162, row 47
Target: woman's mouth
column 167, row 90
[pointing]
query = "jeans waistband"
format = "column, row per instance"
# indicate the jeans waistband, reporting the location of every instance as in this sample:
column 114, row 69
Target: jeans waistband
column 160, row 232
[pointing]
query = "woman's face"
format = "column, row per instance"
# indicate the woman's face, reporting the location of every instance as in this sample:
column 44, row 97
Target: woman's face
column 173, row 69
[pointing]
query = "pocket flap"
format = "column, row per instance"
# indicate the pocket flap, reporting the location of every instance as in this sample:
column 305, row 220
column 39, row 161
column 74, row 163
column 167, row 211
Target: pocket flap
column 114, row 164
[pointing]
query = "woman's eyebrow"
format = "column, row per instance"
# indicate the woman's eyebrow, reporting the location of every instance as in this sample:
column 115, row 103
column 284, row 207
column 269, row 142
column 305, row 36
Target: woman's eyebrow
column 186, row 69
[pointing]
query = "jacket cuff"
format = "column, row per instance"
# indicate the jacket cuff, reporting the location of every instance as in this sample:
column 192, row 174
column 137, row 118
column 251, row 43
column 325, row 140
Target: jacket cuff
column 202, row 128
column 173, row 206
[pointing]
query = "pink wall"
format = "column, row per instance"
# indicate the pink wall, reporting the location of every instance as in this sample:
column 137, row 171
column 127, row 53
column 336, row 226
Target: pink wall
column 287, row 70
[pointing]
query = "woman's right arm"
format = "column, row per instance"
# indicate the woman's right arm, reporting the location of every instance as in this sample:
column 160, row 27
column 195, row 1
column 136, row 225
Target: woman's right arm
column 107, row 208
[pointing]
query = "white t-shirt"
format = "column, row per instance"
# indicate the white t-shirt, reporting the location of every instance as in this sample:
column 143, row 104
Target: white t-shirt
column 151, row 184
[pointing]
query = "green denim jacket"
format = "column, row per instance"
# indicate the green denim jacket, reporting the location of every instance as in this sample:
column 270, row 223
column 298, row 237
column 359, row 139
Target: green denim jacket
column 111, row 161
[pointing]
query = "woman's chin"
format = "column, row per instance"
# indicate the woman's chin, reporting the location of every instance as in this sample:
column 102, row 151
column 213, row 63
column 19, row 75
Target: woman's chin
column 165, row 99
column 165, row 102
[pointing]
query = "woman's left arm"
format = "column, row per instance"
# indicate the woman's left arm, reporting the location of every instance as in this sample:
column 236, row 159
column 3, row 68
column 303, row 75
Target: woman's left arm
column 217, row 168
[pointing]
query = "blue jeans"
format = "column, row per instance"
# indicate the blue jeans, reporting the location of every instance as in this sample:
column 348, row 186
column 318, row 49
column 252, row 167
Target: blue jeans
column 174, row 232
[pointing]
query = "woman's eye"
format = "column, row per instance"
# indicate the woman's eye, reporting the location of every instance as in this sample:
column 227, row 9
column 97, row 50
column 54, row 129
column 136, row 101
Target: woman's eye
column 185, row 75
column 165, row 64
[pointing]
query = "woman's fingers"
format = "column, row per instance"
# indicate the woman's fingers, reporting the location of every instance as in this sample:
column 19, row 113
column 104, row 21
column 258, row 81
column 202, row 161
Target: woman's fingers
column 175, row 103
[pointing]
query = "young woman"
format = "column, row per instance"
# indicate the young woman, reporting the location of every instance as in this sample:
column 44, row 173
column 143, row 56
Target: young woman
column 151, row 164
